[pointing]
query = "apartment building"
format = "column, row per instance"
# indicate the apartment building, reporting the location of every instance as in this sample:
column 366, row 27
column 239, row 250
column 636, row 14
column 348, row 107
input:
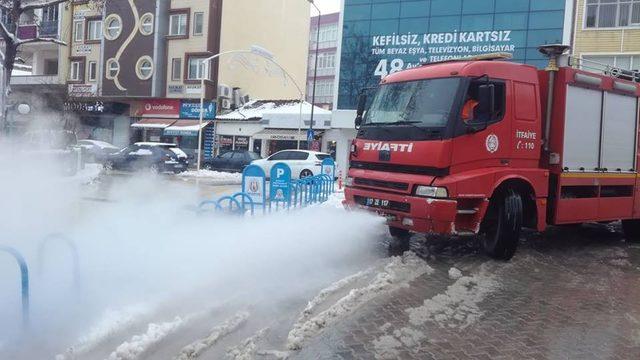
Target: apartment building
column 147, row 55
column 39, row 77
column 327, row 48
column 608, row 32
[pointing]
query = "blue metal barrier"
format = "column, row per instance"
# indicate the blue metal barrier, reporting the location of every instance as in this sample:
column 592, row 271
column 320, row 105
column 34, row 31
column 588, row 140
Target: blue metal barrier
column 232, row 201
column 24, row 275
column 244, row 197
column 72, row 247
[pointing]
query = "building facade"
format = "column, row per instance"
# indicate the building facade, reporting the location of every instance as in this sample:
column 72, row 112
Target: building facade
column 607, row 32
column 148, row 57
column 39, row 78
column 384, row 36
column 327, row 49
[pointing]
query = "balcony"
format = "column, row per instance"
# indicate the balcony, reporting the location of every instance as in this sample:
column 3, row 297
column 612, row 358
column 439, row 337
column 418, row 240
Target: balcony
column 27, row 80
column 47, row 29
column 323, row 44
column 321, row 71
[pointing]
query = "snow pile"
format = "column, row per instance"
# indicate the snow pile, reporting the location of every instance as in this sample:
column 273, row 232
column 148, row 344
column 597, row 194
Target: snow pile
column 280, row 355
column 389, row 346
column 458, row 305
column 112, row 322
column 140, row 343
column 247, row 349
column 454, row 274
column 195, row 349
column 398, row 273
column 218, row 177
column 334, row 201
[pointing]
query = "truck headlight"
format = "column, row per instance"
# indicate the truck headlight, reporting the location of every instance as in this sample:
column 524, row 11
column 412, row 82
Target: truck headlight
column 348, row 181
column 431, row 192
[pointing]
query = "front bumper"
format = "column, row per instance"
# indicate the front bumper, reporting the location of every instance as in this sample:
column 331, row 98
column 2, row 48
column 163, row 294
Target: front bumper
column 417, row 214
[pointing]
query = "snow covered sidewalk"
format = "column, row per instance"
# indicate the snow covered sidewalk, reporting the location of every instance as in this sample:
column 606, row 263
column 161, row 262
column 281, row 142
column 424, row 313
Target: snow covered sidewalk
column 215, row 177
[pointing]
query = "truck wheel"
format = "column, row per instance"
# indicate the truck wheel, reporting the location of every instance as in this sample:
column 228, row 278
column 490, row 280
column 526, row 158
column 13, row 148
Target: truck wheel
column 399, row 240
column 502, row 231
column 631, row 229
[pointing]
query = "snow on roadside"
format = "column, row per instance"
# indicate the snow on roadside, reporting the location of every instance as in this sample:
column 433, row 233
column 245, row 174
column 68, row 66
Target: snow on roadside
column 334, row 201
column 457, row 307
column 397, row 273
column 132, row 349
column 111, row 323
column 218, row 177
column 247, row 349
column 196, row 348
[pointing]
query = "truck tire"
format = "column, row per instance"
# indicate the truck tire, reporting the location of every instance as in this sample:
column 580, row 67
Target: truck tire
column 502, row 232
column 399, row 240
column 631, row 229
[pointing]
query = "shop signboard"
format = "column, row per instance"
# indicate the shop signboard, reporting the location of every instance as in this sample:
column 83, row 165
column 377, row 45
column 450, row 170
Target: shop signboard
column 83, row 90
column 328, row 167
column 156, row 108
column 380, row 38
column 280, row 183
column 176, row 89
column 209, row 135
column 241, row 143
column 191, row 110
column 253, row 184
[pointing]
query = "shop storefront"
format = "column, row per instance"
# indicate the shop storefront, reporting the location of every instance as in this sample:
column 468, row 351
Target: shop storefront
column 237, row 135
column 98, row 120
column 175, row 121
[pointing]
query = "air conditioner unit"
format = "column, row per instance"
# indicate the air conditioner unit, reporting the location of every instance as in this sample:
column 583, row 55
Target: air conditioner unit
column 245, row 99
column 225, row 104
column 225, row 91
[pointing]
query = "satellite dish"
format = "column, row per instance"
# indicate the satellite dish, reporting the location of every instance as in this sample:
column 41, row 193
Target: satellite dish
column 24, row 109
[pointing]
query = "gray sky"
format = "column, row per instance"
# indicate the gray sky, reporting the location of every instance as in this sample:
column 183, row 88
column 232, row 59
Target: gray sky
column 326, row 6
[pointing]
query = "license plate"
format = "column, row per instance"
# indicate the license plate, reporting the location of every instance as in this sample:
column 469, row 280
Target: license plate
column 376, row 202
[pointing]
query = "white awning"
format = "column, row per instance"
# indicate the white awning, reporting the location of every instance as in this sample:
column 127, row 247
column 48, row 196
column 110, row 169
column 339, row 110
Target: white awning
column 153, row 123
column 283, row 134
column 185, row 128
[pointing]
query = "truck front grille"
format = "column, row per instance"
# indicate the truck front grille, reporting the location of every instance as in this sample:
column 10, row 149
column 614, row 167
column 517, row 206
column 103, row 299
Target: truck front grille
column 382, row 184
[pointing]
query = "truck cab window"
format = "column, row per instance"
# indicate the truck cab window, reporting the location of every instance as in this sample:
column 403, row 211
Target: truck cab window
column 472, row 112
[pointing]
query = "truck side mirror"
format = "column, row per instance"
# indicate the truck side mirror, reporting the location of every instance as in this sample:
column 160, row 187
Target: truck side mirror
column 487, row 100
column 362, row 102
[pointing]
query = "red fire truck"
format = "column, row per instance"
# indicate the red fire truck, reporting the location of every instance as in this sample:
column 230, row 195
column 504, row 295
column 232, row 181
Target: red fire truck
column 483, row 146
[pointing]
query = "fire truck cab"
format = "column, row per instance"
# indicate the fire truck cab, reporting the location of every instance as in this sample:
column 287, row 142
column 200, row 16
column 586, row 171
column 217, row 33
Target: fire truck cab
column 481, row 146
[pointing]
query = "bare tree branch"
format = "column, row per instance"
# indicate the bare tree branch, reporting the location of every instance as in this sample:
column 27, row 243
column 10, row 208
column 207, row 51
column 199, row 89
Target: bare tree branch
column 6, row 34
column 40, row 4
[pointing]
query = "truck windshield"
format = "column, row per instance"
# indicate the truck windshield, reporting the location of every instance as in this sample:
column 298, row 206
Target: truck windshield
column 425, row 103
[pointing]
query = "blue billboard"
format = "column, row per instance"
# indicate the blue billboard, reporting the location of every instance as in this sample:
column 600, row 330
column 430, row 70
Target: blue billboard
column 380, row 37
column 191, row 110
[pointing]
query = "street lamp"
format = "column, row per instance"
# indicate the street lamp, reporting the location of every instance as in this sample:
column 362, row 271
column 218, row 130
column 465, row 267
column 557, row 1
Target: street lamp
column 255, row 50
column 315, row 71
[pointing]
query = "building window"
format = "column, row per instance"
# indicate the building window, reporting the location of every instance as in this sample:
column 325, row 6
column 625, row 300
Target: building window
column 612, row 13
column 93, row 71
column 604, row 63
column 144, row 68
column 94, row 30
column 50, row 13
column 196, row 68
column 176, row 69
column 113, row 27
column 75, row 71
column 146, row 24
column 113, row 69
column 198, row 23
column 178, row 24
column 78, row 31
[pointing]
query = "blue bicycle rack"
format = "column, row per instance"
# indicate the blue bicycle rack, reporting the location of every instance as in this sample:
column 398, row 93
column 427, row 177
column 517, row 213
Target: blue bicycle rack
column 24, row 275
column 237, row 203
column 57, row 237
column 245, row 196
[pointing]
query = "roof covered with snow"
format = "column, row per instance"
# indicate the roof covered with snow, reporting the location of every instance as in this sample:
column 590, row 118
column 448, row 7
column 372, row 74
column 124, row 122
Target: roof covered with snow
column 257, row 109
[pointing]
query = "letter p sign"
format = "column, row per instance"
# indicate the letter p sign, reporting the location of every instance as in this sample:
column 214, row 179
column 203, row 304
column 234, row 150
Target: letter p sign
column 279, row 173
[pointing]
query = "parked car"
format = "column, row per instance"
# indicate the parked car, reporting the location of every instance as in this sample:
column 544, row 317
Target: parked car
column 97, row 151
column 157, row 157
column 232, row 161
column 57, row 147
column 303, row 163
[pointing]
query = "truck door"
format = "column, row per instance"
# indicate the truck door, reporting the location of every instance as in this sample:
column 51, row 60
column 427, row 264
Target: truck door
column 483, row 139
column 526, row 127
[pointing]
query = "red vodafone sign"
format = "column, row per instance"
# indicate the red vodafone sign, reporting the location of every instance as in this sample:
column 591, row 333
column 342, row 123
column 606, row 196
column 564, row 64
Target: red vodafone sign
column 156, row 108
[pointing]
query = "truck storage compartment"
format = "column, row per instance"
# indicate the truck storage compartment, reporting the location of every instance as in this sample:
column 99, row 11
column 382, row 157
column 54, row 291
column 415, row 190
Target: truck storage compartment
column 582, row 129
